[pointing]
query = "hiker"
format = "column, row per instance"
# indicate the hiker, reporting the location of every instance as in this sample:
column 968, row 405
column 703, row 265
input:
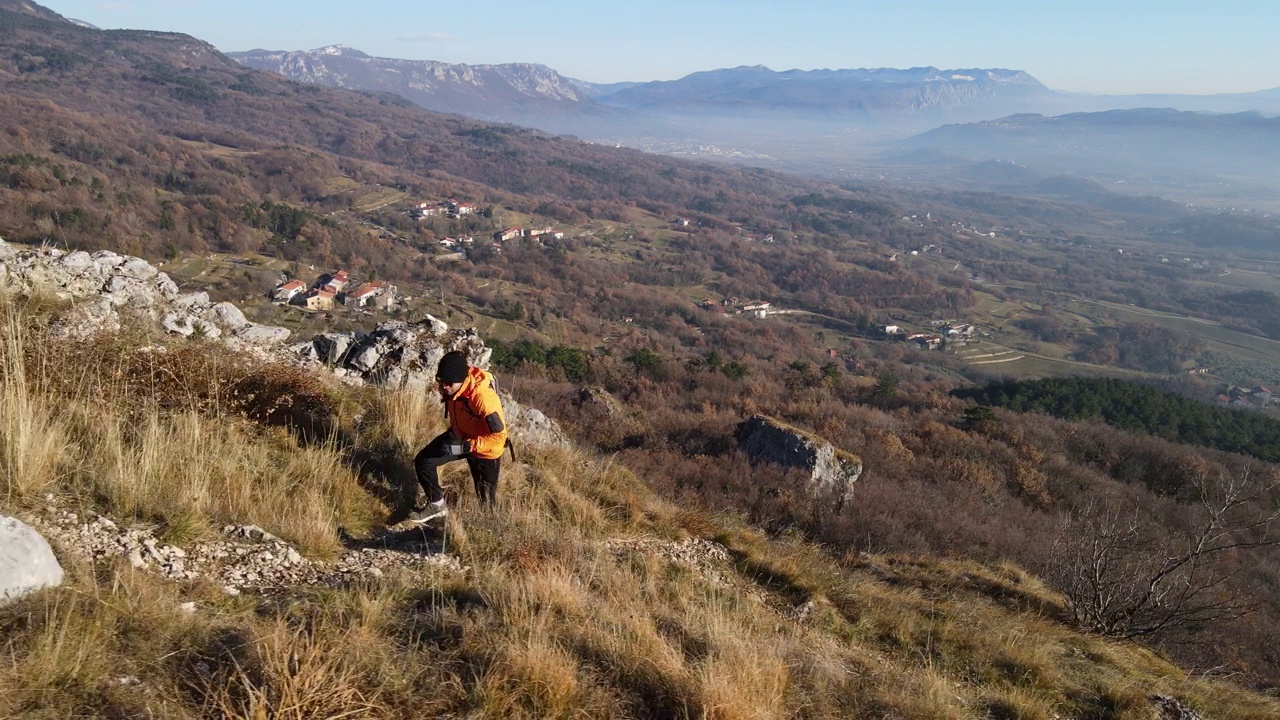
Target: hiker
column 477, row 433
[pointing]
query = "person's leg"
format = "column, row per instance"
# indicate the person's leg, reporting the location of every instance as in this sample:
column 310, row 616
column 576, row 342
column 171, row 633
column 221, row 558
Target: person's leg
column 426, row 465
column 484, row 474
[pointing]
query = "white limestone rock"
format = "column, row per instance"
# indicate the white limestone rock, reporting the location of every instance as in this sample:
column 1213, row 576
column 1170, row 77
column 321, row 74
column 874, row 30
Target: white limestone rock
column 529, row 426
column 229, row 316
column 77, row 262
column 255, row 334
column 191, row 301
column 137, row 268
column 767, row 440
column 436, row 326
column 108, row 259
column 366, row 358
column 27, row 563
column 178, row 324
column 331, row 347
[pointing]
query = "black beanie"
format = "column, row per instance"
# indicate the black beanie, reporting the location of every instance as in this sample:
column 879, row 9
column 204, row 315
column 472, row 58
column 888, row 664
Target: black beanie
column 452, row 368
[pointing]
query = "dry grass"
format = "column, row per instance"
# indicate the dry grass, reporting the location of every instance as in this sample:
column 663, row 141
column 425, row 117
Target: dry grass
column 33, row 441
column 547, row 622
column 144, row 451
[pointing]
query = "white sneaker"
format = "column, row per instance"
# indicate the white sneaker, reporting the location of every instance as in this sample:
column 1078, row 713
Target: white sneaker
column 430, row 512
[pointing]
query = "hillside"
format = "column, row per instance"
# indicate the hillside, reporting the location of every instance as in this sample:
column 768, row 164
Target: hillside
column 581, row 593
column 623, row 312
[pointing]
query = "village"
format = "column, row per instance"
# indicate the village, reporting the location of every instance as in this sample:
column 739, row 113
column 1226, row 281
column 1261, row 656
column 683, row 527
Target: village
column 1238, row 397
column 330, row 291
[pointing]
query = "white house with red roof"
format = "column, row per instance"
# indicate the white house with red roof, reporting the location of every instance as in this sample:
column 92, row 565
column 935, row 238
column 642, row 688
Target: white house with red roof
column 365, row 293
column 285, row 292
column 337, row 282
column 508, row 234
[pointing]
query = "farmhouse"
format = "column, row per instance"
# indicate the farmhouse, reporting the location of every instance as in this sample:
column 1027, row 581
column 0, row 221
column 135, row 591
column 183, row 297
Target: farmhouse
column 365, row 294
column 336, row 282
column 285, row 292
column 320, row 300
column 508, row 234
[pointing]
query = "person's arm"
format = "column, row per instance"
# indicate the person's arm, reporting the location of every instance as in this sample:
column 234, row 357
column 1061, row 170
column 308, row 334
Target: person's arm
column 494, row 441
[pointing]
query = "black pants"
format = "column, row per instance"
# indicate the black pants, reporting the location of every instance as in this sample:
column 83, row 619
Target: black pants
column 484, row 473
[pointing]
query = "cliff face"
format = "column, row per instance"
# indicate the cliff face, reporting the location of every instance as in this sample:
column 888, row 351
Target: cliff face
column 767, row 440
column 489, row 91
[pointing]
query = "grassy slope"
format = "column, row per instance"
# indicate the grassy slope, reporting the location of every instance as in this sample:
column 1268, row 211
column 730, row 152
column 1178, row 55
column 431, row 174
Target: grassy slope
column 572, row 604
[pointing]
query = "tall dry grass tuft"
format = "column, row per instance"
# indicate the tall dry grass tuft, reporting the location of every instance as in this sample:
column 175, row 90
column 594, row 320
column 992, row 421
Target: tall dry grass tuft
column 408, row 417
column 33, row 442
column 742, row 677
column 187, row 469
column 297, row 676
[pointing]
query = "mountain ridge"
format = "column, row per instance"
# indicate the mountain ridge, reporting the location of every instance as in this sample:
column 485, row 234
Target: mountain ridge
column 484, row 91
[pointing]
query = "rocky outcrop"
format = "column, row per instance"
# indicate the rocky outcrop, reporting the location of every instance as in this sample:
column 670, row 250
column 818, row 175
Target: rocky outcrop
column 529, row 426
column 767, row 440
column 27, row 563
column 105, row 286
column 396, row 354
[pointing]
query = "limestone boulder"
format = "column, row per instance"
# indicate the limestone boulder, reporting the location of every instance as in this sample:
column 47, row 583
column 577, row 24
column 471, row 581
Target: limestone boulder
column 177, row 324
column 331, row 347
column 366, row 357
column 27, row 563
column 137, row 268
column 108, row 259
column 77, row 262
column 191, row 301
column 830, row 469
column 435, row 326
column 255, row 334
column 530, row 426
column 228, row 316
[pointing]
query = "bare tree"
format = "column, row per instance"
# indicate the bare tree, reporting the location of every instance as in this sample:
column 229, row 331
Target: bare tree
column 1125, row 574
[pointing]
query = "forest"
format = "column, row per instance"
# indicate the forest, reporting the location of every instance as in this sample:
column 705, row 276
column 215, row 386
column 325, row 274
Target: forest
column 1133, row 406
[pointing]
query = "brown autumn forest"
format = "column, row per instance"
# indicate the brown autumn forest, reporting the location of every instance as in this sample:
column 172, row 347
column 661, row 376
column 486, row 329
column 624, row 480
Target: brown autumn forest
column 156, row 145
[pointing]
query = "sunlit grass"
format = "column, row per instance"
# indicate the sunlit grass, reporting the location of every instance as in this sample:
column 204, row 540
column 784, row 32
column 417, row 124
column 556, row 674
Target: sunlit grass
column 549, row 620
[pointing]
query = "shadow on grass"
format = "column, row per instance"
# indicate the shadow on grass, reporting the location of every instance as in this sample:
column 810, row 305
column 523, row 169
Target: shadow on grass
column 428, row 538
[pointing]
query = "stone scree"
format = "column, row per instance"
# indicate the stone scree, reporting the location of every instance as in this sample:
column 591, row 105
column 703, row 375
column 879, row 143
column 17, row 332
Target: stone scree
column 27, row 563
column 248, row 558
column 766, row 440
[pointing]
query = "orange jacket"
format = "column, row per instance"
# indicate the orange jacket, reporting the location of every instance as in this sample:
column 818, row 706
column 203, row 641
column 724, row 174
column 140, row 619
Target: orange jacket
column 475, row 415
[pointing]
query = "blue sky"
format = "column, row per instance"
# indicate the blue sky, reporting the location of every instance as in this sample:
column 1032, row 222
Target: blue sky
column 1116, row 46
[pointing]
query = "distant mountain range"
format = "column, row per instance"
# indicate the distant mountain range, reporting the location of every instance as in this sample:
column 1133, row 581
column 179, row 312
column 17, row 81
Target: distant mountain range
column 924, row 96
column 513, row 92
column 490, row 92
column 827, row 122
column 854, row 93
